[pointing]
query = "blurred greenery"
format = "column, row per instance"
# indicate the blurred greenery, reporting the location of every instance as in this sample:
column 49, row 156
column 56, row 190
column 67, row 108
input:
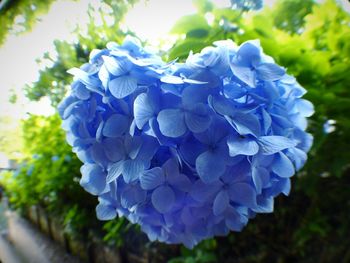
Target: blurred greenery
column 311, row 40
column 18, row 16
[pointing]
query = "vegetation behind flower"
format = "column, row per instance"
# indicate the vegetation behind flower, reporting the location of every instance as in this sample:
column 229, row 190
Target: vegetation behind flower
column 312, row 42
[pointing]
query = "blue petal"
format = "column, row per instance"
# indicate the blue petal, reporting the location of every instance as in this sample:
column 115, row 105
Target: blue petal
column 198, row 118
column 148, row 149
column 221, row 202
column 114, row 171
column 116, row 125
column 133, row 145
column 245, row 123
column 265, row 204
column 144, row 110
column 298, row 157
column 235, row 221
column 305, row 107
column 274, row 144
column 123, row 86
column 190, row 149
column 152, row 178
column 210, row 166
column 131, row 196
column 132, row 170
column 84, row 77
column 243, row 194
column 234, row 90
column 105, row 212
column 169, row 79
column 270, row 72
column 93, row 179
column 113, row 66
column 242, row 145
column 260, row 178
column 283, row 166
column 180, row 182
column 172, row 123
column 163, row 199
column 245, row 74
column 114, row 149
column 248, row 53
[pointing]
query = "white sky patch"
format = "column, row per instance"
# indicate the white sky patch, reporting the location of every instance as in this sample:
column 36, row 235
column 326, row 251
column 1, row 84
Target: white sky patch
column 18, row 55
column 152, row 20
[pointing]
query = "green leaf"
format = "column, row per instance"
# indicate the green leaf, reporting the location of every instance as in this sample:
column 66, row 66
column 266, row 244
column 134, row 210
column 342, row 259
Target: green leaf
column 189, row 23
column 182, row 50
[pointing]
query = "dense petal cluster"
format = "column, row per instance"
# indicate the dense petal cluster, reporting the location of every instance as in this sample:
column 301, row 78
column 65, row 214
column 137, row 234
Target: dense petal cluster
column 186, row 150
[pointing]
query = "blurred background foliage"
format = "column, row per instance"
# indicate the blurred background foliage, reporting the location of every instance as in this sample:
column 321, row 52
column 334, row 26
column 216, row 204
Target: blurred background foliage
column 312, row 40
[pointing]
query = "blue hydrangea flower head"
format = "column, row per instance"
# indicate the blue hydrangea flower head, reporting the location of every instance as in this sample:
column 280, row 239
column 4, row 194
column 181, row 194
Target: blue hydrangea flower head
column 186, row 150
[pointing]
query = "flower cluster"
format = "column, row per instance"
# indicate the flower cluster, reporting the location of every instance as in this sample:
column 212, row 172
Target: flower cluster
column 186, row 150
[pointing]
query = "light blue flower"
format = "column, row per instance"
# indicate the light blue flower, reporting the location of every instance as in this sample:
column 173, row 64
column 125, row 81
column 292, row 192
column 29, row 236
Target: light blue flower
column 186, row 150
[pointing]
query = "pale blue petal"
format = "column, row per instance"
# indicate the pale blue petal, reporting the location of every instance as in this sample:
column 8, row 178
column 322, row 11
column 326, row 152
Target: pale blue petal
column 93, row 179
column 245, row 123
column 172, row 122
column 274, row 144
column 132, row 170
column 114, row 171
column 113, row 66
column 198, row 118
column 242, row 145
column 248, row 53
column 116, row 125
column 221, row 202
column 245, row 74
column 163, row 199
column 123, row 86
column 270, row 72
column 260, row 178
column 210, row 166
column 105, row 212
column 305, row 107
column 234, row 90
column 169, row 79
column 202, row 192
column 143, row 110
column 152, row 178
column 283, row 166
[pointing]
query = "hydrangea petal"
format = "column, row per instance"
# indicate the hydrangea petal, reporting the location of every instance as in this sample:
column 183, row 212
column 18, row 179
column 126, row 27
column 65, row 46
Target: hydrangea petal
column 152, row 178
column 163, row 198
column 243, row 194
column 123, row 86
column 116, row 125
column 274, row 144
column 105, row 212
column 221, row 202
column 197, row 119
column 210, row 166
column 270, row 72
column 132, row 170
column 242, row 145
column 283, row 166
column 172, row 122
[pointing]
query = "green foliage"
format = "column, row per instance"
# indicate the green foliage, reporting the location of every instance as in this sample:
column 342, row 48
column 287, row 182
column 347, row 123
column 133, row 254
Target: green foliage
column 54, row 80
column 19, row 16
